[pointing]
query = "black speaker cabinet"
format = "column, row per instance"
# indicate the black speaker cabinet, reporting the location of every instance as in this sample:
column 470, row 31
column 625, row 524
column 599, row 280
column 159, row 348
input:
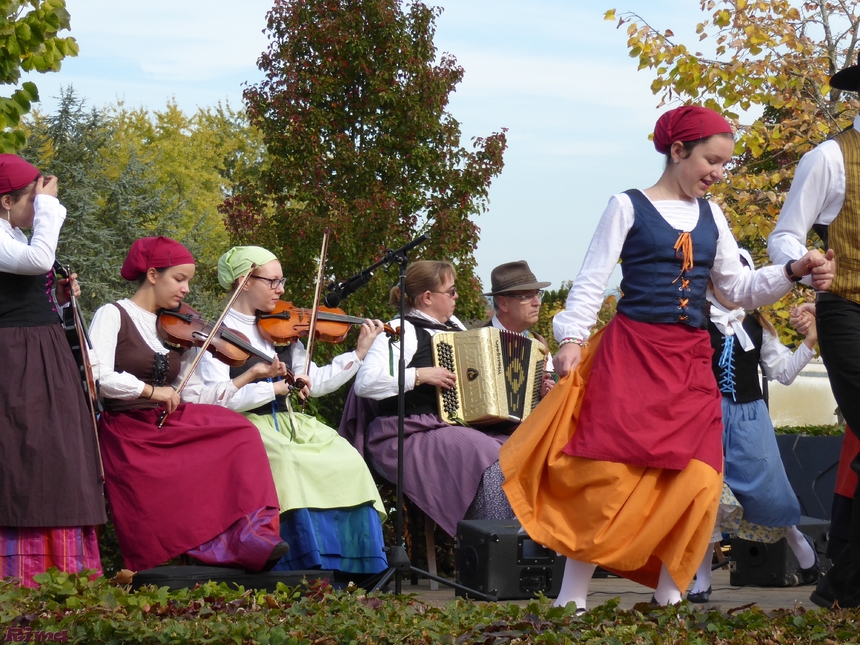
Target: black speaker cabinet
column 774, row 565
column 493, row 557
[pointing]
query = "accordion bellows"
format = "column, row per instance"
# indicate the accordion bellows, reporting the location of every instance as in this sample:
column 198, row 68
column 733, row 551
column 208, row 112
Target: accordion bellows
column 499, row 375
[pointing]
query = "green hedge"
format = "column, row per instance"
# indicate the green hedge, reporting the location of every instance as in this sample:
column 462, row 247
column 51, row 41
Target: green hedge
column 833, row 430
column 75, row 609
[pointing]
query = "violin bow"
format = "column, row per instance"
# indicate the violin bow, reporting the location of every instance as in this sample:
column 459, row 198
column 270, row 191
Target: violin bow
column 312, row 328
column 202, row 350
column 85, row 346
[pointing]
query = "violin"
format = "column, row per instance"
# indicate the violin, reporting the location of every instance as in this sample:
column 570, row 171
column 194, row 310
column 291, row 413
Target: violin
column 79, row 341
column 183, row 327
column 287, row 323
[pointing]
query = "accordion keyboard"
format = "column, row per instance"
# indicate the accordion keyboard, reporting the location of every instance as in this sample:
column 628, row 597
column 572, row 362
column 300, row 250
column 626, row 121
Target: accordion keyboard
column 498, row 373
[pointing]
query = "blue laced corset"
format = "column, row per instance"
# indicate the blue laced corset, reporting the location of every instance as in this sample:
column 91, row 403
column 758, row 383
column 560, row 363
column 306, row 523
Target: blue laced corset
column 727, row 367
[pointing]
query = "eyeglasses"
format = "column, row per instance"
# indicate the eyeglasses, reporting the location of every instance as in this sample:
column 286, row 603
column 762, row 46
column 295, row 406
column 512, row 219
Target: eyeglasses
column 274, row 283
column 524, row 296
column 450, row 292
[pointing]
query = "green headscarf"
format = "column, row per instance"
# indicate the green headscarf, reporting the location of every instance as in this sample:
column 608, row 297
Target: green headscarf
column 237, row 262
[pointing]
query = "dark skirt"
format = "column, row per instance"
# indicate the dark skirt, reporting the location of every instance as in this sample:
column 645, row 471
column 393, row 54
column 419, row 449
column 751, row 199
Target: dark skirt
column 174, row 488
column 49, row 475
column 442, row 464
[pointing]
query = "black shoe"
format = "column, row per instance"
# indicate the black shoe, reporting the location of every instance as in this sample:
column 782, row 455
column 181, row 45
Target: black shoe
column 811, row 575
column 700, row 596
column 824, row 594
column 280, row 550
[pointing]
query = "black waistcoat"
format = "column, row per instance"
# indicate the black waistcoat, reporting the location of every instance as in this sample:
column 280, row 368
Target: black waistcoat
column 422, row 399
column 747, row 384
column 25, row 300
column 285, row 355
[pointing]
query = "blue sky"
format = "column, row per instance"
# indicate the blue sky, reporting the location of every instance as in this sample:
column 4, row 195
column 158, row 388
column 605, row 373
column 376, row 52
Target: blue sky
column 551, row 71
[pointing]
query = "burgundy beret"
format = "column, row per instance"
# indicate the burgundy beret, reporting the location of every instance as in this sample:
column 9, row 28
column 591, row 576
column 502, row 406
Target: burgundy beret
column 687, row 123
column 15, row 173
column 154, row 253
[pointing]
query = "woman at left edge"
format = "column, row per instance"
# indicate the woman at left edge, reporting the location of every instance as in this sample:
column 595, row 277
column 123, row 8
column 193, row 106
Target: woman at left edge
column 51, row 498
column 201, row 484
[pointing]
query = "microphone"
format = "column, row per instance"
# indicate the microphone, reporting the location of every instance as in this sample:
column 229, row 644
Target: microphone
column 339, row 291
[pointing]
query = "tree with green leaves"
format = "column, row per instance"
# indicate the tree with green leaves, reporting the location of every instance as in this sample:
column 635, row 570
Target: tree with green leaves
column 29, row 42
column 767, row 68
column 126, row 174
column 353, row 111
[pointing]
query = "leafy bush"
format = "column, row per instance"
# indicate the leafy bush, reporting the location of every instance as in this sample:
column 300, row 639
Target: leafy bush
column 830, row 430
column 81, row 610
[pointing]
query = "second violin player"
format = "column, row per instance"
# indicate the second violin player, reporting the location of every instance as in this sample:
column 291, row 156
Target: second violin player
column 330, row 508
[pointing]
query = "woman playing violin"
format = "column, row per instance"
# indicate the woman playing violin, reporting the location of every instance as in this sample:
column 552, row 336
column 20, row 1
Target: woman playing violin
column 50, row 491
column 331, row 510
column 200, row 485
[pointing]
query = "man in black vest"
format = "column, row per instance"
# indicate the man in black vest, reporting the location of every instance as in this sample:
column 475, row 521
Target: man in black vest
column 517, row 296
column 824, row 196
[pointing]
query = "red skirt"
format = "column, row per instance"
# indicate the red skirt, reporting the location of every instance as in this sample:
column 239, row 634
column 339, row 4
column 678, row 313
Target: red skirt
column 174, row 488
column 652, row 399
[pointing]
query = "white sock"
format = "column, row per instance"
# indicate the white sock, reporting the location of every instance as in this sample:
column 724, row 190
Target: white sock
column 704, row 575
column 667, row 592
column 574, row 583
column 800, row 547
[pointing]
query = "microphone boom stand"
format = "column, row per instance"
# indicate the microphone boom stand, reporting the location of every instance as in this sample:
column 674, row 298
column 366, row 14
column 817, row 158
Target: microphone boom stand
column 398, row 560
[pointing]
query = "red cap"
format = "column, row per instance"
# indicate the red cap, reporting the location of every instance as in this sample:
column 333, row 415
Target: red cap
column 15, row 173
column 154, row 253
column 687, row 123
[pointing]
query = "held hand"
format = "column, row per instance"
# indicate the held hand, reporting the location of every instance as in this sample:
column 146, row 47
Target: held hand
column 166, row 395
column 803, row 319
column 370, row 329
column 566, row 360
column 822, row 275
column 438, row 376
column 46, row 186
column 63, row 294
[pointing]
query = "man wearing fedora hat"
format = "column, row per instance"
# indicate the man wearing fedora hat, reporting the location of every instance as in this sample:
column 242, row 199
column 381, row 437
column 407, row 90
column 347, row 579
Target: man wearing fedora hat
column 516, row 296
column 825, row 196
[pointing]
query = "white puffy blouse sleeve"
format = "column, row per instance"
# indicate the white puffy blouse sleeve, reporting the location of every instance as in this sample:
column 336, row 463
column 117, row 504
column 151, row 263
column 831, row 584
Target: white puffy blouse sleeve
column 103, row 332
column 780, row 363
column 21, row 257
column 587, row 293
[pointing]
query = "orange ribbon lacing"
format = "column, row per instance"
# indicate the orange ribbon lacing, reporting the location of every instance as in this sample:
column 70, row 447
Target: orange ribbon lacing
column 684, row 244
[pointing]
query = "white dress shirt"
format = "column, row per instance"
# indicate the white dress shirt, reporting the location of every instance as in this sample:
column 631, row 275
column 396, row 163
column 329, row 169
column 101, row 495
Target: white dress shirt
column 750, row 289
column 816, row 196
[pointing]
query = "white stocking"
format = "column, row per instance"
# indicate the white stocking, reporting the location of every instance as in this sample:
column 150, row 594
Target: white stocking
column 800, row 547
column 667, row 592
column 704, row 574
column 574, row 583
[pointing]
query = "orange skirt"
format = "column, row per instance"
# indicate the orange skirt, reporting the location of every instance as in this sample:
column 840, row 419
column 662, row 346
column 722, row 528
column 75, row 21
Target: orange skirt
column 627, row 519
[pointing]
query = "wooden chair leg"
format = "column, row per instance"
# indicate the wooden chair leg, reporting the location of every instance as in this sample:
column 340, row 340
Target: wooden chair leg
column 429, row 533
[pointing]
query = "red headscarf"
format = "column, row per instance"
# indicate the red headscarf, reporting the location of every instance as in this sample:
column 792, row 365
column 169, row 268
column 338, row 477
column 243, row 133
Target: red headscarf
column 687, row 123
column 15, row 173
column 154, row 253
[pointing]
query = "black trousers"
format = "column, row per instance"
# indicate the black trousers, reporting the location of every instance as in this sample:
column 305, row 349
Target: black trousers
column 838, row 322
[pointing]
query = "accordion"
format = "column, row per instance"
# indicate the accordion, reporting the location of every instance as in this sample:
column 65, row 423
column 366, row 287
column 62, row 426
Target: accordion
column 499, row 375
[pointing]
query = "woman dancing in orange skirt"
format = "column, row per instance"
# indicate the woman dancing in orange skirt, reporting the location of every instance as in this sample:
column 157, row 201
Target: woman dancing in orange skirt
column 621, row 464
